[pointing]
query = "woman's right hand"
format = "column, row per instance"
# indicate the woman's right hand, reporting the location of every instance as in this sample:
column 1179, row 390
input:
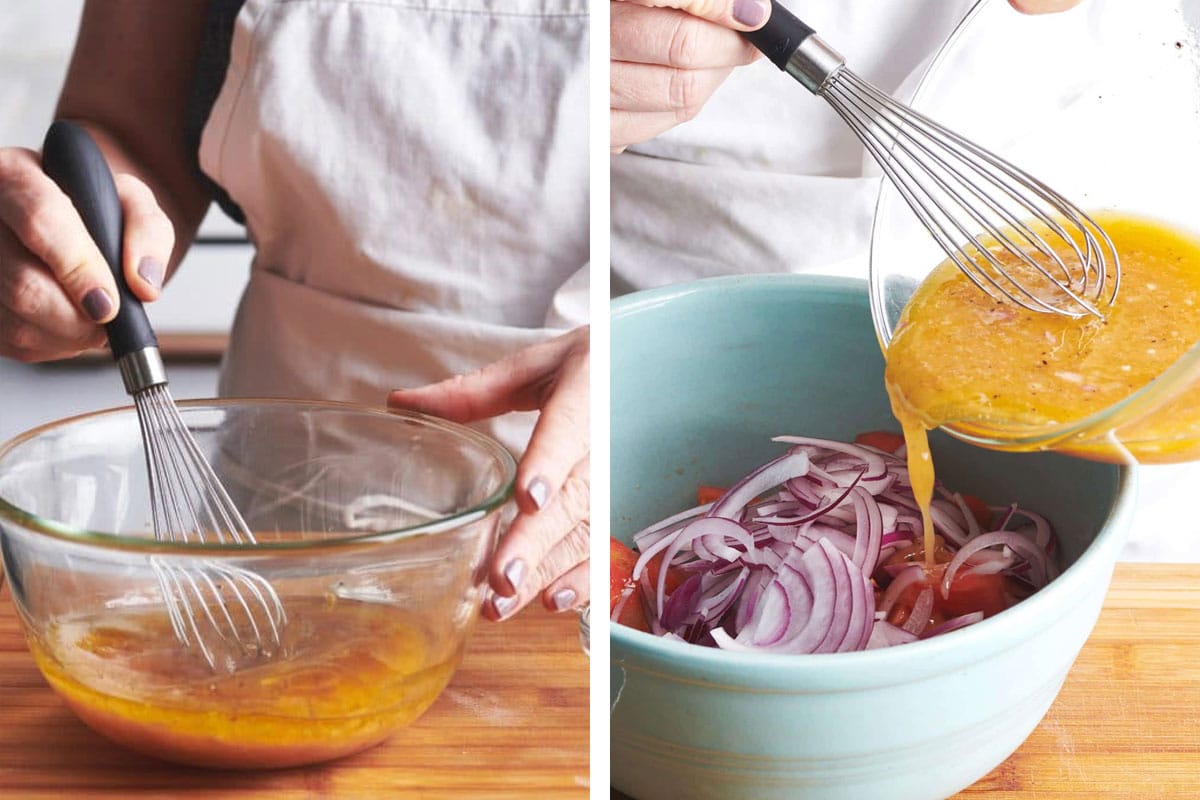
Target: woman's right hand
column 667, row 62
column 55, row 286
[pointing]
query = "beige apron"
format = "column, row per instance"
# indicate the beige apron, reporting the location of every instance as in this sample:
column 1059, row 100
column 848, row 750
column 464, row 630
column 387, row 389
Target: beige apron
column 414, row 179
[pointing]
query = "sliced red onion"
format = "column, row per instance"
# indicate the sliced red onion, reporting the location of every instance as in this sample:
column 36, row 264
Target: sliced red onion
column 765, row 477
column 885, row 634
column 911, row 574
column 922, row 608
column 953, row 624
column 870, row 522
column 973, row 528
column 648, row 536
column 782, row 562
column 704, row 526
column 626, row 593
column 876, row 464
column 1043, row 568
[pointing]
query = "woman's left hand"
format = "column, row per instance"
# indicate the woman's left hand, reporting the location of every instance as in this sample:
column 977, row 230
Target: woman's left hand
column 546, row 548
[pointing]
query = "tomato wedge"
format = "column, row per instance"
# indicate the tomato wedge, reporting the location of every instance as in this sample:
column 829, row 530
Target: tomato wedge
column 709, row 494
column 621, row 561
column 990, row 594
column 969, row 593
column 882, row 440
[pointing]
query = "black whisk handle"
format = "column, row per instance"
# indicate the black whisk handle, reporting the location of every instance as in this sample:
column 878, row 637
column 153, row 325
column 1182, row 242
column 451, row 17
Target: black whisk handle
column 75, row 163
column 780, row 37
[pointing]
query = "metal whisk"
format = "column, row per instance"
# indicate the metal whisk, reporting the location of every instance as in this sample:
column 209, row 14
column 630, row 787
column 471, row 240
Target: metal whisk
column 991, row 218
column 228, row 613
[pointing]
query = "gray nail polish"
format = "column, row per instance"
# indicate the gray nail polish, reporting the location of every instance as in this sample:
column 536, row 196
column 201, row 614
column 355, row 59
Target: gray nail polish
column 564, row 599
column 97, row 304
column 504, row 605
column 152, row 271
column 749, row 12
column 514, row 573
column 539, row 492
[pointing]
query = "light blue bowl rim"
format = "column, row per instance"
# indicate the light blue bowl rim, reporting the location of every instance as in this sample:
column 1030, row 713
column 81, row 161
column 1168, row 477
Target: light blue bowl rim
column 685, row 663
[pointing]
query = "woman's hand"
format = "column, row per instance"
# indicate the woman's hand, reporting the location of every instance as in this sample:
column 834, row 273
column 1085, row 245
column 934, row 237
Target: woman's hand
column 55, row 286
column 667, row 62
column 546, row 549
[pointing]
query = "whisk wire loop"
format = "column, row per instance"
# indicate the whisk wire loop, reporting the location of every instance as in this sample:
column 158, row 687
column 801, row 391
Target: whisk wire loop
column 208, row 601
column 966, row 198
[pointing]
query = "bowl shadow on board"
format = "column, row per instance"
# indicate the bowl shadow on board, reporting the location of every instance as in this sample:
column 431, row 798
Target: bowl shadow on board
column 703, row 375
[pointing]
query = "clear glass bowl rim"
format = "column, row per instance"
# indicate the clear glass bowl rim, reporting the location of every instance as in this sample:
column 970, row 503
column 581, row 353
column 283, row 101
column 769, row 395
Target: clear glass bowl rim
column 498, row 453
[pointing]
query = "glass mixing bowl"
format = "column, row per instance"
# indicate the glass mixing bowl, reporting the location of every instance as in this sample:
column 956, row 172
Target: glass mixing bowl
column 373, row 528
column 1101, row 103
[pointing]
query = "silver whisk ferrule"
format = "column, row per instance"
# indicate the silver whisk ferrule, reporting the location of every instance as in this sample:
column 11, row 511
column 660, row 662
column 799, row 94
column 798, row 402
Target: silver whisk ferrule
column 814, row 63
column 142, row 369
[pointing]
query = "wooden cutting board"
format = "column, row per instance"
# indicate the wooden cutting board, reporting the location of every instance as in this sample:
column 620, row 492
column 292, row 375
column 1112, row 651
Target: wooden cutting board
column 513, row 724
column 1126, row 725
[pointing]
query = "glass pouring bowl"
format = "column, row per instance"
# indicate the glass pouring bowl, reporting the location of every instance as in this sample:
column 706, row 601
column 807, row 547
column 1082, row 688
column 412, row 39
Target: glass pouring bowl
column 374, row 528
column 1101, row 103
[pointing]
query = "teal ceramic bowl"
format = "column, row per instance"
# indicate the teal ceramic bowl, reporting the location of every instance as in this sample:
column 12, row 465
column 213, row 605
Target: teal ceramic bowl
column 703, row 375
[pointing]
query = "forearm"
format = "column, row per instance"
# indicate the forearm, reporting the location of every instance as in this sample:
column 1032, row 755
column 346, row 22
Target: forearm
column 128, row 83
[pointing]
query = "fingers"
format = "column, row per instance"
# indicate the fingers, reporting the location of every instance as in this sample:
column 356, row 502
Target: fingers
column 149, row 237
column 45, row 222
column 38, row 322
column 27, row 342
column 637, row 109
column 1042, row 6
column 679, row 92
column 551, row 376
column 741, row 15
column 55, row 286
column 541, row 550
column 515, row 383
column 569, row 591
column 666, row 64
column 561, row 438
column 672, row 38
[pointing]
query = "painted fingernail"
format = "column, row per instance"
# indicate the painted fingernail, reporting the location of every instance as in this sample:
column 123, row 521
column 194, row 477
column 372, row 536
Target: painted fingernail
column 152, row 271
column 514, row 573
column 504, row 605
column 750, row 12
column 97, row 304
column 539, row 492
column 564, row 599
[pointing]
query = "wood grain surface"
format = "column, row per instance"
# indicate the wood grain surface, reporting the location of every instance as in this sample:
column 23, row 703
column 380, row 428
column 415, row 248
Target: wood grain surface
column 1126, row 725
column 512, row 724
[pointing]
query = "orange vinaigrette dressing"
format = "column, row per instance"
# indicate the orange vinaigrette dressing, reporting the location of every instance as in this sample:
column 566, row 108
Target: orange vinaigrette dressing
column 961, row 360
column 352, row 672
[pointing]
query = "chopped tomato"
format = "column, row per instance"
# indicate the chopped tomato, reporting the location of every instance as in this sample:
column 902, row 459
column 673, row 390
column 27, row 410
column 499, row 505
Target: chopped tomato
column 979, row 510
column 990, row 594
column 709, row 494
column 882, row 440
column 621, row 561
column 675, row 576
